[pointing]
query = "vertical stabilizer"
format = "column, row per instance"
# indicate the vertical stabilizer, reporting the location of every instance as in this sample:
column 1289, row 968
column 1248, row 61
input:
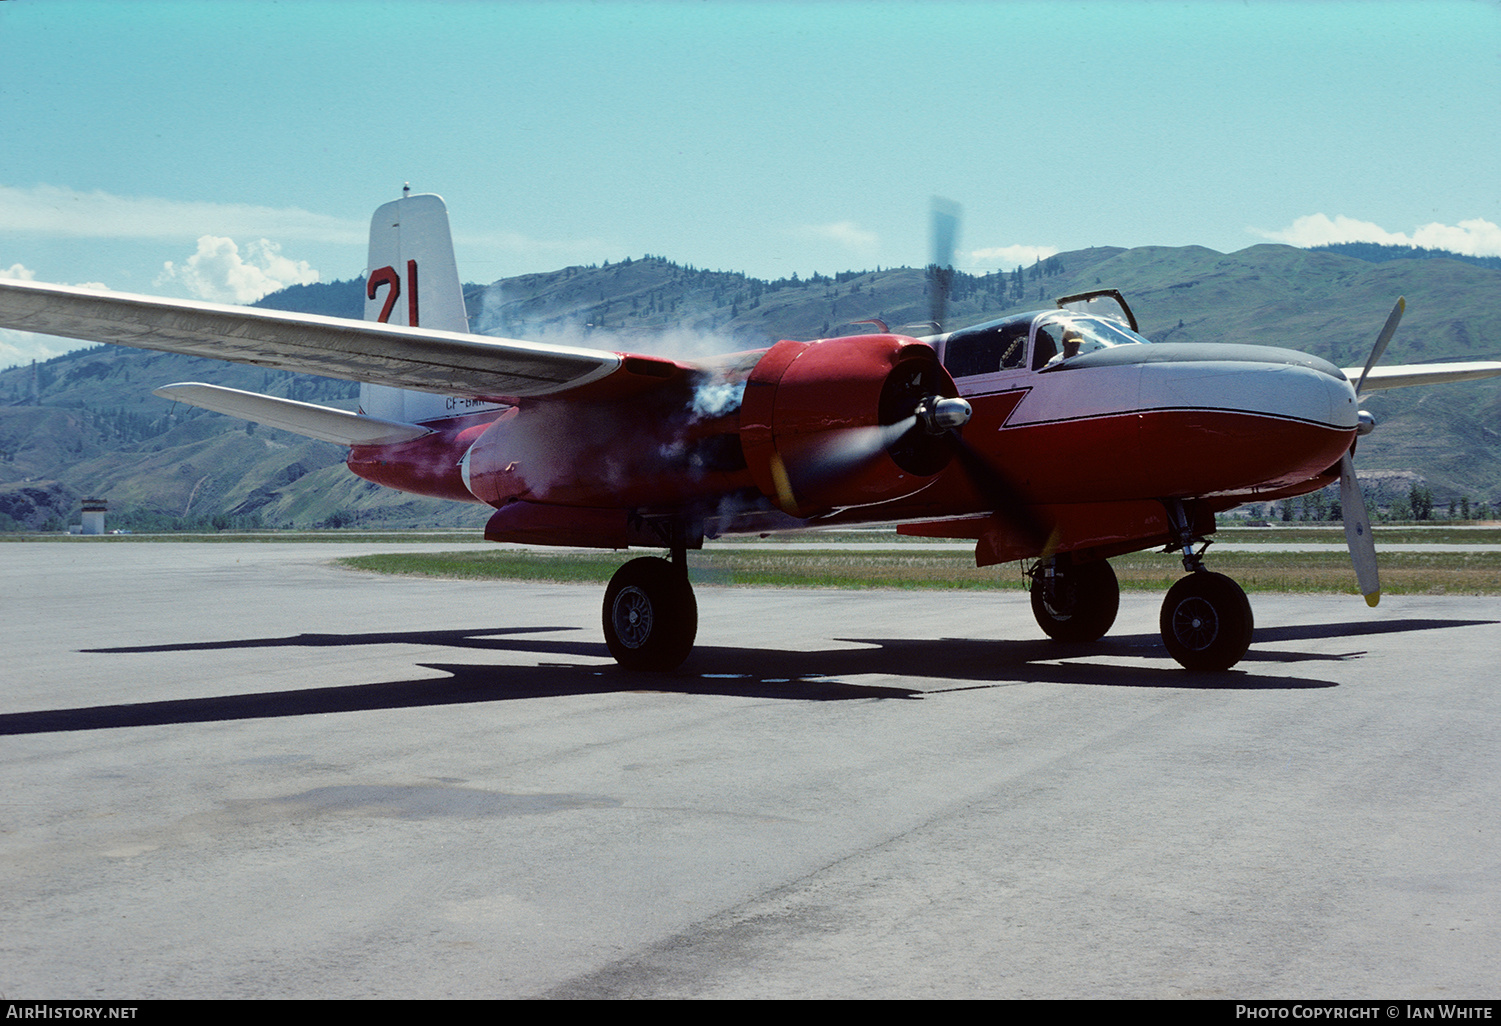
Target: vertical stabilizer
column 412, row 279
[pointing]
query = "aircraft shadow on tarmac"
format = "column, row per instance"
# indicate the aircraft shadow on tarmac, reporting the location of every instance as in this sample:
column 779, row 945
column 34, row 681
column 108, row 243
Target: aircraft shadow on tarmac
column 951, row 664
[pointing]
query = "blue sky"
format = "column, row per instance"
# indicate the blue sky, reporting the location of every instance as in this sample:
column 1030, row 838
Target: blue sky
column 215, row 150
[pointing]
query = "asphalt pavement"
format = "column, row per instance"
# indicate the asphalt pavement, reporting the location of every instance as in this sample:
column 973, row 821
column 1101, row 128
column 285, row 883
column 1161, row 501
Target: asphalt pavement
column 233, row 770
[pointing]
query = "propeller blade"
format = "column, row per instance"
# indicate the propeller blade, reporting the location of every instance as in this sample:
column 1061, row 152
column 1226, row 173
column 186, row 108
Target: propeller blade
column 847, row 449
column 945, row 238
column 1358, row 532
column 1003, row 498
column 1390, row 329
column 844, row 450
column 1352, row 503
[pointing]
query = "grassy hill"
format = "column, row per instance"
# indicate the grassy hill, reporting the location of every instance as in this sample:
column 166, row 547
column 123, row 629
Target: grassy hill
column 87, row 424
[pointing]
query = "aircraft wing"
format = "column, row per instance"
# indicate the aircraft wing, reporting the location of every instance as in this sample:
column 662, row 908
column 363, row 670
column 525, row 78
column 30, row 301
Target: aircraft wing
column 1422, row 374
column 450, row 363
column 322, row 422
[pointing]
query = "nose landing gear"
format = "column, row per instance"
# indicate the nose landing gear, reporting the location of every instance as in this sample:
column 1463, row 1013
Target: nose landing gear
column 1206, row 622
column 1206, row 619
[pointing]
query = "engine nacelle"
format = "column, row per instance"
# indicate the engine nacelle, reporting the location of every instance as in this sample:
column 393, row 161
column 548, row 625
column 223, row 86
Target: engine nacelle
column 832, row 424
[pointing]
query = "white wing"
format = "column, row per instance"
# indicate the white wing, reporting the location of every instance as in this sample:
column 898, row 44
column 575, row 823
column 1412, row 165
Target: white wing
column 325, row 422
column 1422, row 374
column 450, row 363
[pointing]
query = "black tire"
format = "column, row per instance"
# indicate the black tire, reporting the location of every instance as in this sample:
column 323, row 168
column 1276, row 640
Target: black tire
column 1206, row 622
column 1084, row 604
column 650, row 615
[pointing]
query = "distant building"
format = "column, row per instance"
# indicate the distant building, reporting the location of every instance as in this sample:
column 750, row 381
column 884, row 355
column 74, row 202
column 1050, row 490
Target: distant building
column 93, row 516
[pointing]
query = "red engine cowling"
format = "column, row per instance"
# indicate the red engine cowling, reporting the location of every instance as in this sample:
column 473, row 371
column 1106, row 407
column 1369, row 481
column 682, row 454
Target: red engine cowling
column 822, row 423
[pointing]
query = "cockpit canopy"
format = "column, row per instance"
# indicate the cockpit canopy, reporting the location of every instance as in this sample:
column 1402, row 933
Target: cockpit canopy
column 1031, row 341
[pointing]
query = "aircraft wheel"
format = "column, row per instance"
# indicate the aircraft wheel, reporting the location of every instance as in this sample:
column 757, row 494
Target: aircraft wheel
column 1083, row 607
column 650, row 615
column 1206, row 622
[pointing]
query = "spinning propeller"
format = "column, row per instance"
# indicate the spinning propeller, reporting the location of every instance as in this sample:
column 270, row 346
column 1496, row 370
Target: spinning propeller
column 920, row 418
column 1000, row 495
column 844, row 451
column 945, row 225
column 1351, row 501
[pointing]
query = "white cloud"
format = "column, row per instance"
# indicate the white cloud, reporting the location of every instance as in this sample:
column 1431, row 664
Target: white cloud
column 1008, row 258
column 533, row 250
column 1473, row 238
column 847, row 234
column 57, row 211
column 60, row 211
column 18, row 347
column 17, row 272
column 217, row 272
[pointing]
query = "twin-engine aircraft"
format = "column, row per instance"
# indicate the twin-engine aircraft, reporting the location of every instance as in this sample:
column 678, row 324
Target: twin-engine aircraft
column 1058, row 436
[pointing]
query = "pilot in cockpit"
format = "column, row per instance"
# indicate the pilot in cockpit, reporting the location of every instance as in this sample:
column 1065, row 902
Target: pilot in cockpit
column 1072, row 340
column 1074, row 343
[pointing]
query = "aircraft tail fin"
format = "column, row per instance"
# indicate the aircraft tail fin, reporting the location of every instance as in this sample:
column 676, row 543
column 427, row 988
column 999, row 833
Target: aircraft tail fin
column 412, row 280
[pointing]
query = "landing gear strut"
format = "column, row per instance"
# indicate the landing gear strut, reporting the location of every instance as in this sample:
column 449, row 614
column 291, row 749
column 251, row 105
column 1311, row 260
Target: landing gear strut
column 1074, row 602
column 650, row 615
column 1206, row 619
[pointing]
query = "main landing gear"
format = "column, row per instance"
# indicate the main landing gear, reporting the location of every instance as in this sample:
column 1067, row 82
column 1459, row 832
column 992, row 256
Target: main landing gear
column 651, row 617
column 1074, row 602
column 650, row 614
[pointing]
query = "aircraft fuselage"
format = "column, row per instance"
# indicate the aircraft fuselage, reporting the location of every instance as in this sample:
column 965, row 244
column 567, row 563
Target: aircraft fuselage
column 1216, row 424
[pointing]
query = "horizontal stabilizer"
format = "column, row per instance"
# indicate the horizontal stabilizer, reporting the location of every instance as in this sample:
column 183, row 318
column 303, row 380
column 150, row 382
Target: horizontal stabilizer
column 1422, row 374
column 446, row 362
column 321, row 422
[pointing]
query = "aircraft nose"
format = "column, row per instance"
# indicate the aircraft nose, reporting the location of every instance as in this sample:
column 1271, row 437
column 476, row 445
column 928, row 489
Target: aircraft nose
column 1342, row 399
column 1239, row 425
column 1308, row 395
column 1276, row 389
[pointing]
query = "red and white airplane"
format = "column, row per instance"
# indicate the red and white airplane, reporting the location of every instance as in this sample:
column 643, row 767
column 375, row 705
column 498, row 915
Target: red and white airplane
column 1060, row 435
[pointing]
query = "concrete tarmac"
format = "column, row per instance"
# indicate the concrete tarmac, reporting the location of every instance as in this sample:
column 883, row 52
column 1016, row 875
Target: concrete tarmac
column 232, row 770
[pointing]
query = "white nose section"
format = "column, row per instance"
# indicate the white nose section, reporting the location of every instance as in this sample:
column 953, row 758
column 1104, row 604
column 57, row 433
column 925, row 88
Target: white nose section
column 1275, row 390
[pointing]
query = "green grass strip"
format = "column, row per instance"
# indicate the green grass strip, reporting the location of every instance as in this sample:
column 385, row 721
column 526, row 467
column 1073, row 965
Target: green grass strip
column 1402, row 573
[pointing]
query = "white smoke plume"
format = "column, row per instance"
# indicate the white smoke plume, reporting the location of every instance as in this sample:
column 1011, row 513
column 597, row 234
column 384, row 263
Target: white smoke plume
column 717, row 397
column 717, row 393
